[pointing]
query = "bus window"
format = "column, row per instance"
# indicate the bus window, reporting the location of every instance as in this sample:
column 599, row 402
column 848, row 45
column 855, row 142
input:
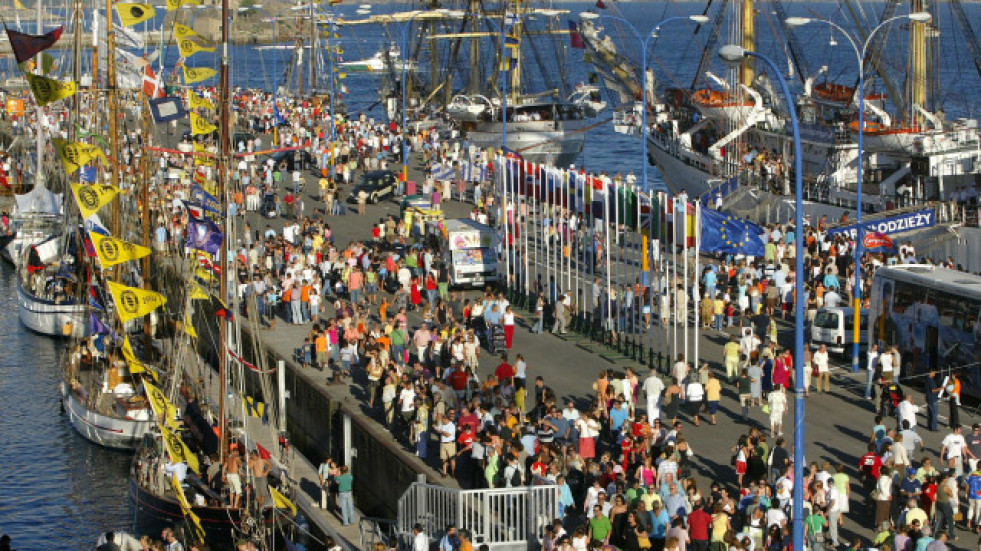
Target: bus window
column 863, row 323
column 905, row 296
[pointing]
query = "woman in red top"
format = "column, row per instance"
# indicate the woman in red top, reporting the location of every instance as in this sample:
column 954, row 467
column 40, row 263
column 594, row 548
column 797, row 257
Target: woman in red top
column 415, row 296
column 431, row 290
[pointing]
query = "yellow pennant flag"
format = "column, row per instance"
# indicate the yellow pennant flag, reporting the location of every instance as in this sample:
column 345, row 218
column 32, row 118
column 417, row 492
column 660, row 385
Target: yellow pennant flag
column 46, row 90
column 75, row 154
column 176, row 4
column 197, row 102
column 189, row 327
column 281, row 501
column 197, row 74
column 162, row 407
column 132, row 302
column 19, row 6
column 186, row 508
column 200, row 125
column 92, row 197
column 196, row 292
column 206, row 157
column 204, row 275
column 114, row 251
column 136, row 366
column 189, row 42
column 131, row 13
column 179, row 452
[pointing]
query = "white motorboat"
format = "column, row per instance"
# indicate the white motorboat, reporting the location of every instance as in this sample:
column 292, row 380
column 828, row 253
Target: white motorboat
column 382, row 60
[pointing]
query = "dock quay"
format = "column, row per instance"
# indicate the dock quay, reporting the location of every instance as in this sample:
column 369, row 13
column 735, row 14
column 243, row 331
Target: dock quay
column 326, row 417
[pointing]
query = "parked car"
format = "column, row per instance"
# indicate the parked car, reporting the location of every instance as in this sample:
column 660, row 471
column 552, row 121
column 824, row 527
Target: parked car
column 377, row 184
column 298, row 159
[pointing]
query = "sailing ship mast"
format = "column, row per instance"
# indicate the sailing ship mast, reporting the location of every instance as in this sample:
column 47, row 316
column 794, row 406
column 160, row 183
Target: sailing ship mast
column 918, row 65
column 224, row 152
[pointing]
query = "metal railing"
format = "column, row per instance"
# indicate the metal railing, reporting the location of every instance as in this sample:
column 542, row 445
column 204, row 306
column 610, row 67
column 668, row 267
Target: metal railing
column 502, row 518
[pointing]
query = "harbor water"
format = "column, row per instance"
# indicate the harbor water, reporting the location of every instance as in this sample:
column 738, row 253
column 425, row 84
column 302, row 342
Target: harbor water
column 58, row 490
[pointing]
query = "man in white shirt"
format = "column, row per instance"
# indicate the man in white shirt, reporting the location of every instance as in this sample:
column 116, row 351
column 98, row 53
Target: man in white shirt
column 653, row 388
column 420, row 541
column 834, row 500
column 447, row 444
column 832, row 299
column 870, row 365
column 907, row 411
column 820, row 360
column 954, row 449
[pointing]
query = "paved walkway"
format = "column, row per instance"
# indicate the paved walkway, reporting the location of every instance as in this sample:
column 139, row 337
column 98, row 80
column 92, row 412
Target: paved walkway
column 837, row 425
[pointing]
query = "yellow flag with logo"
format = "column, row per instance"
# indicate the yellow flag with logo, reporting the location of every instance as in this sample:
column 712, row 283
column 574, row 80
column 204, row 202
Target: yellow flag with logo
column 196, row 292
column 204, row 275
column 199, row 125
column 281, row 501
column 75, row 154
column 189, row 42
column 132, row 302
column 189, row 327
column 114, row 251
column 197, row 102
column 206, row 157
column 197, row 74
column 186, row 508
column 136, row 366
column 46, row 90
column 165, row 411
column 179, row 452
column 132, row 13
column 176, row 4
column 92, row 197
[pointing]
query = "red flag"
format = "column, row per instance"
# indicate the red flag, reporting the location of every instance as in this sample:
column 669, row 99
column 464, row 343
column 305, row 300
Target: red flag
column 26, row 46
column 151, row 84
column 263, row 452
column 575, row 39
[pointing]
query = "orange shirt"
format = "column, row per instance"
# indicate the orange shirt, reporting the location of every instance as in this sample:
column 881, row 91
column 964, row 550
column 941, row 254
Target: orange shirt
column 305, row 293
column 321, row 342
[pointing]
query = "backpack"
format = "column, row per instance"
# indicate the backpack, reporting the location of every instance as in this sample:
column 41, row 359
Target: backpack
column 498, row 480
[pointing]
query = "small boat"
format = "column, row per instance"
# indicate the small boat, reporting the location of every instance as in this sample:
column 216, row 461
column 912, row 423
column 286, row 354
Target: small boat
column 381, row 61
column 46, row 299
column 36, row 217
column 101, row 398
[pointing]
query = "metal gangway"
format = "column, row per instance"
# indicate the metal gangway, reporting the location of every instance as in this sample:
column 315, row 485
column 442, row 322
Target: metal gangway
column 506, row 519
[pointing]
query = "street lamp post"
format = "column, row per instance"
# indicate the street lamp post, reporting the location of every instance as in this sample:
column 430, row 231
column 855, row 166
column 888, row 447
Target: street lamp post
column 736, row 54
column 700, row 19
column 920, row 17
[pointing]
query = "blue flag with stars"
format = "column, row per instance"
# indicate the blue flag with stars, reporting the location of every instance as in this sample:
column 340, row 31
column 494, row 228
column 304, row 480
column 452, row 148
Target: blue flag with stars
column 725, row 233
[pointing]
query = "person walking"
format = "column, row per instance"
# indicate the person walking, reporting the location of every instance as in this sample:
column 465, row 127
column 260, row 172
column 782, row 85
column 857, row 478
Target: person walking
column 820, row 360
column 777, row 400
column 694, row 396
column 508, row 321
column 345, row 495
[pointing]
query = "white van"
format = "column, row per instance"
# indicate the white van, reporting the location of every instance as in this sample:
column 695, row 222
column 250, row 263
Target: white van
column 835, row 327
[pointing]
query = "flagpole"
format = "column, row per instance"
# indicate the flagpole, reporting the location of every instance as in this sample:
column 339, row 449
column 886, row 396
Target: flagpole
column 674, row 278
column 615, row 237
column 526, row 212
column 685, row 277
column 606, row 238
column 506, row 177
column 698, row 242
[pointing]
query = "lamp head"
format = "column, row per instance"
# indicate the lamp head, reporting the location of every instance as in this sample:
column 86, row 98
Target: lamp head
column 733, row 54
column 700, row 19
column 798, row 21
column 920, row 16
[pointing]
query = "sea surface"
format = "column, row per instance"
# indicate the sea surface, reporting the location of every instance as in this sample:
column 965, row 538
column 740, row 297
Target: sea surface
column 58, row 491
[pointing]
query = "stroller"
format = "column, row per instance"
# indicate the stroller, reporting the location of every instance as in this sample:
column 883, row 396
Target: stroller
column 890, row 397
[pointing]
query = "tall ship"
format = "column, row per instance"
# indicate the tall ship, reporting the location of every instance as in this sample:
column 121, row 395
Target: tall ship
column 732, row 125
column 462, row 52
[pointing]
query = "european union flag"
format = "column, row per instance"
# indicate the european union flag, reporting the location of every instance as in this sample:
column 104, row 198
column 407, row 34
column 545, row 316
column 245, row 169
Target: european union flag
column 724, row 233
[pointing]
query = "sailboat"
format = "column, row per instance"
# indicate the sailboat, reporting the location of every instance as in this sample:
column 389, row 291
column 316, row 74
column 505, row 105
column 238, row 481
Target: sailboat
column 699, row 137
column 202, row 429
column 382, row 60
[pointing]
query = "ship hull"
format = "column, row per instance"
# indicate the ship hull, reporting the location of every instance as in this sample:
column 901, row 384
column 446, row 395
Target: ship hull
column 108, row 432
column 153, row 513
column 48, row 318
column 537, row 142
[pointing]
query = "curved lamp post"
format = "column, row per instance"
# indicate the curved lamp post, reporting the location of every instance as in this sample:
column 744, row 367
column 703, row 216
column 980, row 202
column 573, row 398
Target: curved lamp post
column 919, row 17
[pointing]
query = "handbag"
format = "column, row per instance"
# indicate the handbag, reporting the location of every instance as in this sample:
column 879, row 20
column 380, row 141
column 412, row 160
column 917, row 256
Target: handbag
column 644, row 542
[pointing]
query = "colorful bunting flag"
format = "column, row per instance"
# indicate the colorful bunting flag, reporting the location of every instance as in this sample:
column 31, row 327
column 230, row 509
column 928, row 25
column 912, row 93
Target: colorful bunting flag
column 197, row 74
column 131, row 13
column 92, row 197
column 112, row 251
column 199, row 126
column 26, row 46
column 46, row 90
column 132, row 302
